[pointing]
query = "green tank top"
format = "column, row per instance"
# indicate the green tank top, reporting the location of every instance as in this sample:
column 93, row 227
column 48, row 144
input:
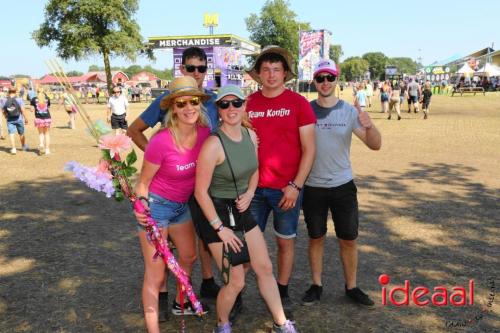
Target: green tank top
column 244, row 162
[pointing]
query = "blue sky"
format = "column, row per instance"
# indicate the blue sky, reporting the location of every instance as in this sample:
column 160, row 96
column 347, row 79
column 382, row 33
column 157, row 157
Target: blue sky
column 432, row 30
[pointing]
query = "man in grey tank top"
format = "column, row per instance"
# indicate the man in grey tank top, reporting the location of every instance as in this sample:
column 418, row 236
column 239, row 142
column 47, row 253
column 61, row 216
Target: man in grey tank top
column 330, row 185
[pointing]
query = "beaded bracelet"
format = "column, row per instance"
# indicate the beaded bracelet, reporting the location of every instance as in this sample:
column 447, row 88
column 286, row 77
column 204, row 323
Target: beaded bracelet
column 214, row 221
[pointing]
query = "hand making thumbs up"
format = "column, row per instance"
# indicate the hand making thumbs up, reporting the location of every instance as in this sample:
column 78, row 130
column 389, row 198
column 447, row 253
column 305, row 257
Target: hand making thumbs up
column 363, row 116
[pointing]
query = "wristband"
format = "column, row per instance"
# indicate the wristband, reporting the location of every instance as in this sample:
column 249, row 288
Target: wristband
column 214, row 221
column 295, row 186
column 220, row 228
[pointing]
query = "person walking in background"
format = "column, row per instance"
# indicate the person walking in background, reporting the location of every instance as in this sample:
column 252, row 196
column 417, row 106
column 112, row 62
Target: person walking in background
column 167, row 178
column 43, row 120
column 284, row 123
column 369, row 93
column 117, row 111
column 395, row 101
column 360, row 98
column 70, row 109
column 15, row 114
column 414, row 92
column 426, row 98
column 3, row 98
column 226, row 180
column 330, row 185
column 385, row 91
column 194, row 64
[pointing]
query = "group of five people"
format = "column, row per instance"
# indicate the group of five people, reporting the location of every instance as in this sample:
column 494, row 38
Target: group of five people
column 272, row 151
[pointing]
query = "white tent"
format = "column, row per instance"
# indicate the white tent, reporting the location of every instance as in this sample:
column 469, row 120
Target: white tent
column 489, row 70
column 466, row 70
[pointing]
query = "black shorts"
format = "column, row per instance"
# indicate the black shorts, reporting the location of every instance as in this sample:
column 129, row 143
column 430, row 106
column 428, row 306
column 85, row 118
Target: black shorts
column 244, row 221
column 119, row 121
column 343, row 204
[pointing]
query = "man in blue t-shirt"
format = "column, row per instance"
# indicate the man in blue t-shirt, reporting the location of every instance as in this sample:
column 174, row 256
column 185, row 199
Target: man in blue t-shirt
column 330, row 185
column 194, row 64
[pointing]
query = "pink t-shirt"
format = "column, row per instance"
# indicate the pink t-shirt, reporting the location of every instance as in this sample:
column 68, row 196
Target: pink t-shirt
column 277, row 121
column 175, row 178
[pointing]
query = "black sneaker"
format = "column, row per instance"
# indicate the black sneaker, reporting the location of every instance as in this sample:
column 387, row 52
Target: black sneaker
column 209, row 289
column 163, row 307
column 188, row 309
column 358, row 296
column 237, row 308
column 312, row 295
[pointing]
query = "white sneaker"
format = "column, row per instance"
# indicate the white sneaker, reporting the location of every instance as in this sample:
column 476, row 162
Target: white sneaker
column 13, row 151
column 47, row 151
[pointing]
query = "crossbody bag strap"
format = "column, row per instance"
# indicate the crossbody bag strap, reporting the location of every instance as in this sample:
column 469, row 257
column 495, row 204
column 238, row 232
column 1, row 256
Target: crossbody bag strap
column 229, row 164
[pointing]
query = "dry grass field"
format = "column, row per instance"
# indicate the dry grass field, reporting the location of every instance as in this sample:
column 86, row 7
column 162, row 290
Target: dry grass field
column 429, row 200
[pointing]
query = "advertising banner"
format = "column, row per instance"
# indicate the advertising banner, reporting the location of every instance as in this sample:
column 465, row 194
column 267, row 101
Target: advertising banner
column 313, row 46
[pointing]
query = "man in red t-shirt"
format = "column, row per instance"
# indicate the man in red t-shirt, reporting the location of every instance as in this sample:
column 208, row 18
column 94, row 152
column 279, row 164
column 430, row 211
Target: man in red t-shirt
column 284, row 122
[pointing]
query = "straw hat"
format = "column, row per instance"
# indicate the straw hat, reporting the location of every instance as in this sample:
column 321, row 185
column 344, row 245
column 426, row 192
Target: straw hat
column 182, row 86
column 278, row 50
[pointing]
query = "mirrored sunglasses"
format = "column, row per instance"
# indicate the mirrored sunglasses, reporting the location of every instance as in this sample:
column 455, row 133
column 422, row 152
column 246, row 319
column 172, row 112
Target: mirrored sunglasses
column 191, row 68
column 181, row 103
column 235, row 102
column 328, row 77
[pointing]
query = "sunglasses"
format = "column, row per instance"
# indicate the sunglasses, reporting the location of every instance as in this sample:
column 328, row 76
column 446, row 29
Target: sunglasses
column 235, row 102
column 181, row 103
column 321, row 78
column 191, row 68
column 117, row 91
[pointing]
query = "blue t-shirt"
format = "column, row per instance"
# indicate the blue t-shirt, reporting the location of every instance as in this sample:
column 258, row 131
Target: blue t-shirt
column 154, row 115
column 361, row 96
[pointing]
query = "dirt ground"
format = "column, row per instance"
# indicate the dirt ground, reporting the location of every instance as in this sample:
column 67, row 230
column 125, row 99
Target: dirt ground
column 70, row 260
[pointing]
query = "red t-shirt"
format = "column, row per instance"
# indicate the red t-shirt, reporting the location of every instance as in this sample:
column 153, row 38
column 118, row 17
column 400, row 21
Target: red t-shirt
column 276, row 122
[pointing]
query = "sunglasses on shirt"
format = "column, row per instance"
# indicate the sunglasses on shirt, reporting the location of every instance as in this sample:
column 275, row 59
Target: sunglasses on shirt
column 181, row 103
column 235, row 102
column 328, row 77
column 192, row 68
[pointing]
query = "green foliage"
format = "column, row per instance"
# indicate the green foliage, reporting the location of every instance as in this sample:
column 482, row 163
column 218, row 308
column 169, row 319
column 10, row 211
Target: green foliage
column 335, row 52
column 376, row 62
column 74, row 73
column 353, row 68
column 131, row 158
column 83, row 28
column 276, row 25
column 405, row 65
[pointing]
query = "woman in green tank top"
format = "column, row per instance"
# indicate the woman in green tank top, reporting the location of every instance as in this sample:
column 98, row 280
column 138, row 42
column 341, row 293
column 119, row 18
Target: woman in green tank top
column 234, row 146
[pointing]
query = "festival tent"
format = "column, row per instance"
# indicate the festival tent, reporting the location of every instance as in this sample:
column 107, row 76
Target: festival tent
column 489, row 70
column 465, row 70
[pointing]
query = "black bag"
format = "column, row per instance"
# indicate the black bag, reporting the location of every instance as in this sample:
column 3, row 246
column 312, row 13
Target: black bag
column 12, row 108
column 242, row 257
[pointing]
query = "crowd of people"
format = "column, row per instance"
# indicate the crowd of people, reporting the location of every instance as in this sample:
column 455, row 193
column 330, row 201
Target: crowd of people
column 393, row 93
column 222, row 163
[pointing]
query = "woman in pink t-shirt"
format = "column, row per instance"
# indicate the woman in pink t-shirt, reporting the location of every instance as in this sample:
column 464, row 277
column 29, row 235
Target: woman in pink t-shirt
column 167, row 179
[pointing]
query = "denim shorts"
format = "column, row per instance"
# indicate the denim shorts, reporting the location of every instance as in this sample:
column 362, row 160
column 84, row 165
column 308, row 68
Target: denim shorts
column 166, row 212
column 17, row 125
column 285, row 222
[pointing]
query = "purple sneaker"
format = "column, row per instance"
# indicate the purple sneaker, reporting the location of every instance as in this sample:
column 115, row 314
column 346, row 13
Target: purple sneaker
column 287, row 327
column 226, row 328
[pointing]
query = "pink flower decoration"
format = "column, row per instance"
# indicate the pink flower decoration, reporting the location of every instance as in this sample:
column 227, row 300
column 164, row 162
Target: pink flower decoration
column 115, row 143
column 103, row 169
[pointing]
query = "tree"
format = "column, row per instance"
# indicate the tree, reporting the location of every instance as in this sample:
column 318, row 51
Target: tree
column 354, row 68
column 377, row 62
column 405, row 65
column 81, row 28
column 132, row 70
column 335, row 52
column 74, row 73
column 276, row 25
column 94, row 68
